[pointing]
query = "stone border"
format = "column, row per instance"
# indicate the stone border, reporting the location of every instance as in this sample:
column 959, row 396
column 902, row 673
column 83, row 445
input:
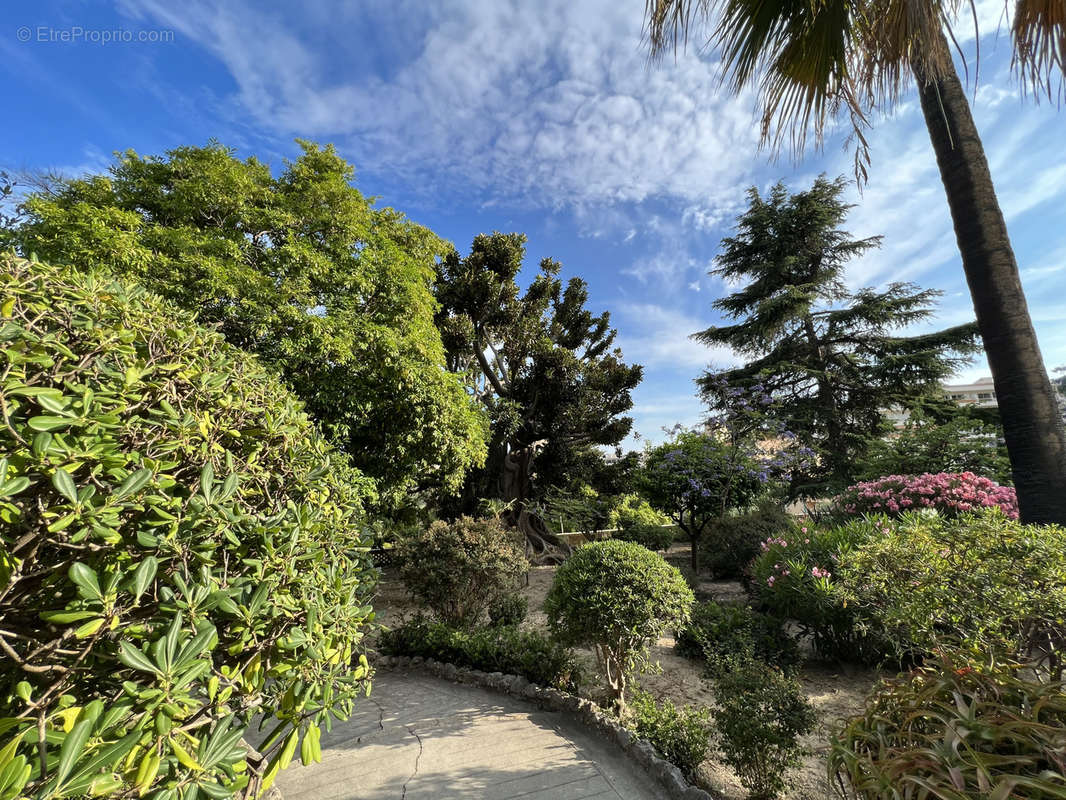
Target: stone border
column 585, row 711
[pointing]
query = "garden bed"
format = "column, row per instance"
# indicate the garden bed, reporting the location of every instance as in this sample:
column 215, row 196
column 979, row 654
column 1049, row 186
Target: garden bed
column 836, row 691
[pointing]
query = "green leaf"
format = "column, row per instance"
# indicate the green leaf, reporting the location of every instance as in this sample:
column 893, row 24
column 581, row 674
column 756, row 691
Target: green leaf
column 14, row 486
column 48, row 423
column 207, row 481
column 132, row 657
column 73, row 744
column 85, row 579
column 143, row 575
column 64, row 484
column 134, row 482
column 66, row 617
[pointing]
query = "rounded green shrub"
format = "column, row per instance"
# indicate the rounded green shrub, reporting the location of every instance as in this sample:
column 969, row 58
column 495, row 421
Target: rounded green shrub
column 458, row 570
column 718, row 633
column 952, row 730
column 732, row 542
column 511, row 609
column 616, row 597
column 179, row 552
column 653, row 537
column 633, row 511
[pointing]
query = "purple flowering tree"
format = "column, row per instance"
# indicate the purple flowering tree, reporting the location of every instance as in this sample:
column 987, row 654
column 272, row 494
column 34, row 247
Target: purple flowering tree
column 698, row 476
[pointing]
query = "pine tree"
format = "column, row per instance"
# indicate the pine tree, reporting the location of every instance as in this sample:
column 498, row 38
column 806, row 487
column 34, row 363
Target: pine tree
column 828, row 356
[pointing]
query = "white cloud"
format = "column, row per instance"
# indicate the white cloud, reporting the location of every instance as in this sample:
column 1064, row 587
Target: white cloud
column 655, row 334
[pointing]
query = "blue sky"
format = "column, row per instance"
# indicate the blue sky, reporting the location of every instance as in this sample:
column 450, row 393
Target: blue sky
column 481, row 115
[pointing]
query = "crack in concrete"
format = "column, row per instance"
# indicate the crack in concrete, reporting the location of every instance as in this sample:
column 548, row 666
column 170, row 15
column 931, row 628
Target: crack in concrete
column 403, row 793
column 381, row 717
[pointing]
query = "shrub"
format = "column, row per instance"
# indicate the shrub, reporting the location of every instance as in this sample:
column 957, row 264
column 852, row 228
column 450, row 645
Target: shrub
column 459, row 569
column 510, row 609
column 949, row 493
column 720, row 633
column 982, row 582
column 950, row 730
column 760, row 715
column 504, row 649
column 794, row 578
column 633, row 511
column 680, row 734
column 179, row 551
column 732, row 542
column 653, row 537
column 615, row 597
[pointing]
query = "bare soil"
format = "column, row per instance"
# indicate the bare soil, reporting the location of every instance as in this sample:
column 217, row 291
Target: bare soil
column 837, row 691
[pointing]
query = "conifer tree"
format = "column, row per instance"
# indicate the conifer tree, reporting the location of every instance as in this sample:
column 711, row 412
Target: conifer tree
column 831, row 358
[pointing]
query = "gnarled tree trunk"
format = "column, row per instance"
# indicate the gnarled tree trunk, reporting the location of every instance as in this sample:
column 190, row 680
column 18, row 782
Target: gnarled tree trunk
column 1032, row 426
column 542, row 546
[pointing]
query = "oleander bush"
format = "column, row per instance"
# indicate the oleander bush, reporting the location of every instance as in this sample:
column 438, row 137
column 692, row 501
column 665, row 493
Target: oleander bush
column 732, row 542
column 680, row 734
column 180, row 551
column 616, row 597
column 653, row 537
column 947, row 493
column 505, row 649
column 459, row 569
column 794, row 578
column 955, row 730
column 718, row 634
column 982, row 582
column 759, row 716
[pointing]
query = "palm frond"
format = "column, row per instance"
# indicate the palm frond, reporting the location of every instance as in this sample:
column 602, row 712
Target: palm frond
column 1039, row 33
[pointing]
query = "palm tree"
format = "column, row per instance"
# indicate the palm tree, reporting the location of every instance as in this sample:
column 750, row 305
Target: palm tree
column 811, row 61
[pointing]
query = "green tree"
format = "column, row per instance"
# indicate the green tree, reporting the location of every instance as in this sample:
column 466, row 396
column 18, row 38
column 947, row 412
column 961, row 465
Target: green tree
column 696, row 478
column 826, row 355
column 810, row 62
column 924, row 444
column 543, row 366
column 330, row 291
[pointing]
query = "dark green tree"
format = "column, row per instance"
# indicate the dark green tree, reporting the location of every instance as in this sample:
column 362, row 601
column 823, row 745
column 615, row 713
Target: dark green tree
column 962, row 443
column 332, row 292
column 828, row 357
column 544, row 367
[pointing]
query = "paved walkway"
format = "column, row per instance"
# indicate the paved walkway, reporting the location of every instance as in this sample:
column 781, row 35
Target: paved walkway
column 423, row 738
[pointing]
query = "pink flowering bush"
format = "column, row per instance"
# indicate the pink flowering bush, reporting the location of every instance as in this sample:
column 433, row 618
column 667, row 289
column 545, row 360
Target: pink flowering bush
column 949, row 493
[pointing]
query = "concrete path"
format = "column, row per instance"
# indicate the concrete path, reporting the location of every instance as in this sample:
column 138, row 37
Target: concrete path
column 423, row 738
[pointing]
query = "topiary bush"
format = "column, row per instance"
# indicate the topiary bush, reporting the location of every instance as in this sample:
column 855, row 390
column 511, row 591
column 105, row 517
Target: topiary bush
column 981, row 582
column 720, row 633
column 505, row 649
column 951, row 730
column 680, row 734
column 616, row 597
column 459, row 569
column 732, row 542
column 948, row 493
column 653, row 537
column 759, row 716
column 179, row 551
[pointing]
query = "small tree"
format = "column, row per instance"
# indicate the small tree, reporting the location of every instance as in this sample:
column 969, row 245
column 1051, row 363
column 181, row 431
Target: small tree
column 695, row 478
column 616, row 597
column 460, row 569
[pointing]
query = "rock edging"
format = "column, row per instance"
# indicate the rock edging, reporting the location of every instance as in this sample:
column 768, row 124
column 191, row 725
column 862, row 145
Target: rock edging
column 585, row 711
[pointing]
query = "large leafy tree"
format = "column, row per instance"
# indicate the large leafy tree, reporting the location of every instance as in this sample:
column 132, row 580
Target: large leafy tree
column 812, row 61
column 829, row 357
column 545, row 368
column 301, row 269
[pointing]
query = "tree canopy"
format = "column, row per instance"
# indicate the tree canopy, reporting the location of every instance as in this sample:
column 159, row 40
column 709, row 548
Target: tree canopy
column 829, row 357
column 331, row 291
column 545, row 367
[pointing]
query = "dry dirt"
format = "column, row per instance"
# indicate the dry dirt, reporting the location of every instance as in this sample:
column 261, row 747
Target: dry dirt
column 837, row 691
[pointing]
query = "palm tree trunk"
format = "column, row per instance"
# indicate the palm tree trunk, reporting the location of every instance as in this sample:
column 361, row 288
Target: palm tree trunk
column 1036, row 441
